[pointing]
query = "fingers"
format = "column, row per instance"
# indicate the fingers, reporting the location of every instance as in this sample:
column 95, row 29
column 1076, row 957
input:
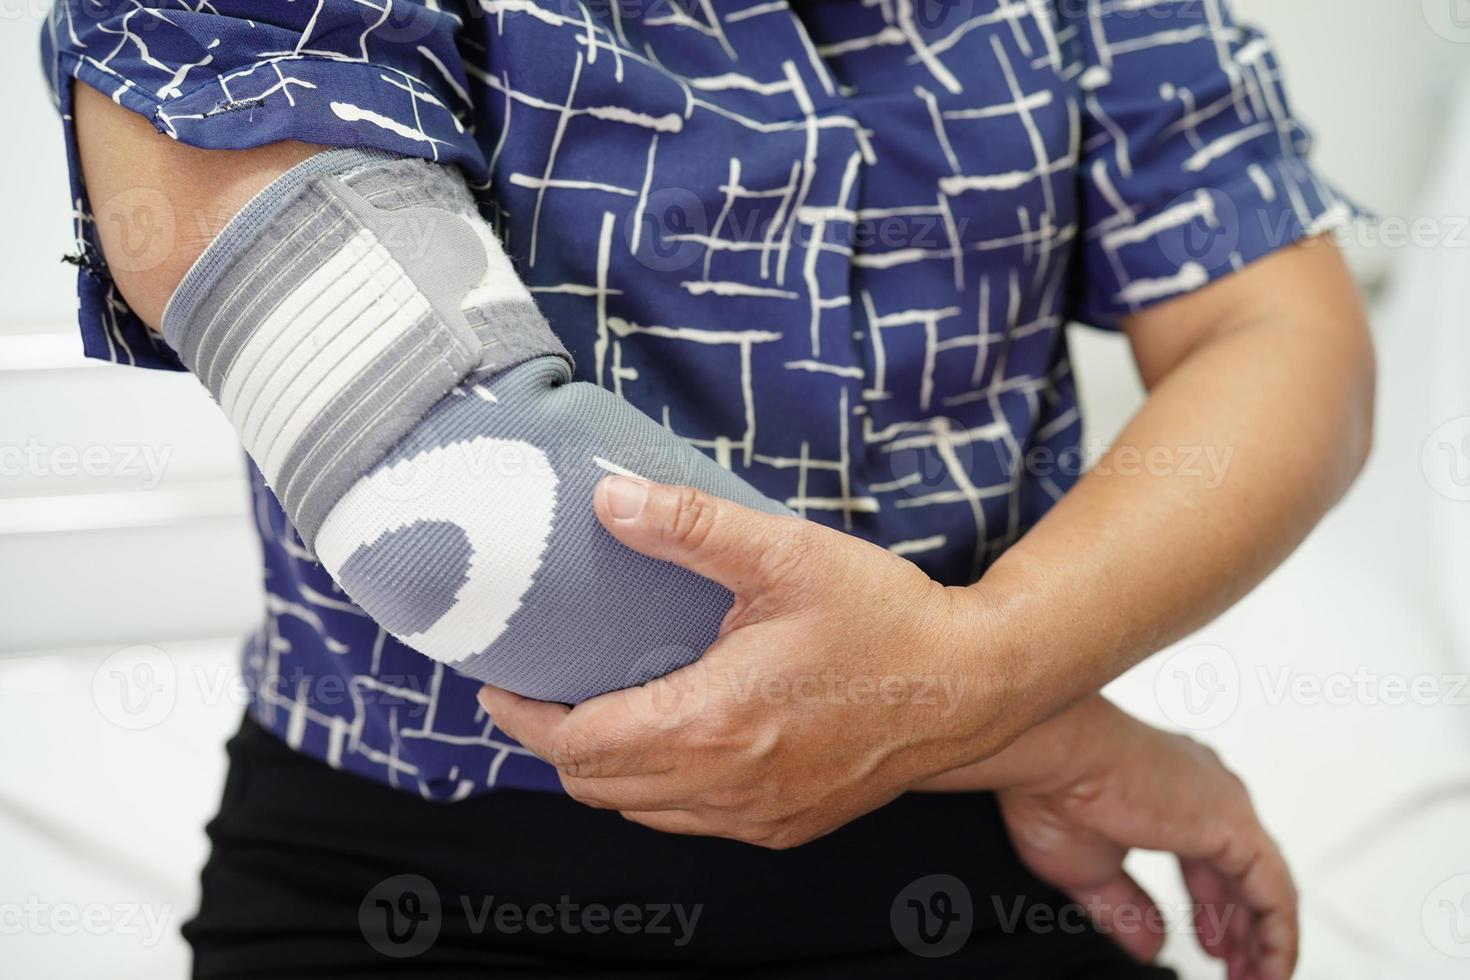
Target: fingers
column 670, row 822
column 1247, row 908
column 627, row 794
column 618, row 734
column 1213, row 906
column 1267, row 889
column 1222, row 921
column 744, row 550
column 1265, row 930
column 535, row 724
column 581, row 742
column 1119, row 907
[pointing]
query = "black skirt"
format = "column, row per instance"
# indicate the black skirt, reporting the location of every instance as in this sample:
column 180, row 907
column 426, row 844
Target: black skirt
column 316, row 873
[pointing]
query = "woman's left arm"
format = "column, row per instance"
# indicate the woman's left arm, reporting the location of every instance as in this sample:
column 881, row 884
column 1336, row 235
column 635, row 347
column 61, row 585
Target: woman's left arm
column 843, row 676
column 1259, row 416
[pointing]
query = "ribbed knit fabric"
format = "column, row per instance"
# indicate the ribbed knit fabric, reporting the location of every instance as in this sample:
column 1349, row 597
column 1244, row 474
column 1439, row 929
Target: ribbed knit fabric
column 395, row 383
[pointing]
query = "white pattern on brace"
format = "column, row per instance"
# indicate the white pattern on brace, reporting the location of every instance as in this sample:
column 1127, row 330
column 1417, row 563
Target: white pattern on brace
column 350, row 310
column 501, row 492
column 500, row 283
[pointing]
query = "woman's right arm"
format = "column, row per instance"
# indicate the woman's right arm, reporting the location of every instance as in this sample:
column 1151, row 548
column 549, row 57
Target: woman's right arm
column 392, row 378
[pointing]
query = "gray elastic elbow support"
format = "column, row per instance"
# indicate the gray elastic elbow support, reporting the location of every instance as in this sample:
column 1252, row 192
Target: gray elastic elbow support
column 393, row 380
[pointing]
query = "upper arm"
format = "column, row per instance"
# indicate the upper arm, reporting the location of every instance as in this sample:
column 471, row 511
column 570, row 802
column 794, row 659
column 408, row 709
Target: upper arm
column 158, row 203
column 192, row 117
column 1304, row 292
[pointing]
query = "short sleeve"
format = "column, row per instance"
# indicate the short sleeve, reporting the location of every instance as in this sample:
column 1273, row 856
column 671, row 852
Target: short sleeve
column 235, row 74
column 1192, row 165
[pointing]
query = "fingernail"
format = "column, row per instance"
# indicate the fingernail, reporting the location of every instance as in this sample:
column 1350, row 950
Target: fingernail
column 483, row 697
column 625, row 497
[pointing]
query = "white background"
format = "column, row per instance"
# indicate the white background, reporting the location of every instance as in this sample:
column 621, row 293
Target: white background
column 101, row 811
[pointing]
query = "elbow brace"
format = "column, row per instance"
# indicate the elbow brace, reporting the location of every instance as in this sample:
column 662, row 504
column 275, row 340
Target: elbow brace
column 394, row 382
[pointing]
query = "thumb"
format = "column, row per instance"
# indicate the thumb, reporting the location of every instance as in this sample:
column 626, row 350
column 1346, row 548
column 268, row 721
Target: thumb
column 744, row 550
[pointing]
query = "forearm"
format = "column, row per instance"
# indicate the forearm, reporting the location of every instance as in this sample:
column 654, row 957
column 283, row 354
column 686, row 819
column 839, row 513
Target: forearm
column 1249, row 434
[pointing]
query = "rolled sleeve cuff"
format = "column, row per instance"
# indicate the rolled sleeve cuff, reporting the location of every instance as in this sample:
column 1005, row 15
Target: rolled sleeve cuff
column 324, row 101
column 196, row 84
column 1206, row 234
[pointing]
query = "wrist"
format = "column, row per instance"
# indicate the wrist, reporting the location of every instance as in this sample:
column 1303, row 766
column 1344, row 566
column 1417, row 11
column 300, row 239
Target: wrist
column 1025, row 718
column 990, row 680
column 1081, row 744
column 1062, row 752
column 1051, row 648
column 984, row 658
column 1005, row 668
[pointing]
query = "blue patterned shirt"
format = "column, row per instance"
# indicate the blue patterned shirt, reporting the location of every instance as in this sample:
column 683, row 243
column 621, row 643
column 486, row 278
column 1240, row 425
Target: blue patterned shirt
column 833, row 244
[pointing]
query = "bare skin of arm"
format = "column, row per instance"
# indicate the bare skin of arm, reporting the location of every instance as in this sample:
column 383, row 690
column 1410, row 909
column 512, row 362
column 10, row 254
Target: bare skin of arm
column 159, row 203
column 1272, row 371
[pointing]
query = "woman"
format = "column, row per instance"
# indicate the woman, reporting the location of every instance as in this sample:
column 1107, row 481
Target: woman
column 834, row 245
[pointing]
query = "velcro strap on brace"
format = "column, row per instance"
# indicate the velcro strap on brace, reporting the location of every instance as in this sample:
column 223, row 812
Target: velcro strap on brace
column 338, row 307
